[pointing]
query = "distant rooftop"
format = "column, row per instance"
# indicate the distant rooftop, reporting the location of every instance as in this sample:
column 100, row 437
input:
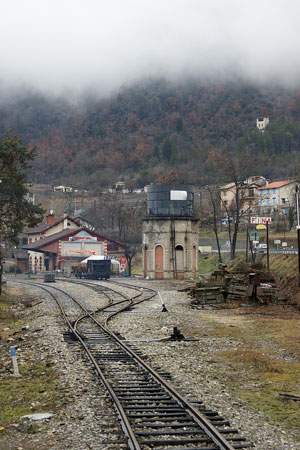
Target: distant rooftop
column 277, row 184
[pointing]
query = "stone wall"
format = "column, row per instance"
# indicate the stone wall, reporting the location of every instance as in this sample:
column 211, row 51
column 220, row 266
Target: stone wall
column 170, row 248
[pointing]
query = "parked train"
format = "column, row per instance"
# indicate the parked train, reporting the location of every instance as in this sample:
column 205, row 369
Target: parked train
column 93, row 269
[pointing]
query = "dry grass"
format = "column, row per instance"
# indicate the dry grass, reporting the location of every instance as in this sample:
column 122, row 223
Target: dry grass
column 259, row 378
column 37, row 389
column 263, row 360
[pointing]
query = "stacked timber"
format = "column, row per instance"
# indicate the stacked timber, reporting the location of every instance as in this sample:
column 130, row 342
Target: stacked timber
column 267, row 293
column 207, row 294
column 242, row 284
column 236, row 291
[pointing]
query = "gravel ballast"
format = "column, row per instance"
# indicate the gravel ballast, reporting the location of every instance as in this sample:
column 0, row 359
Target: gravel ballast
column 87, row 419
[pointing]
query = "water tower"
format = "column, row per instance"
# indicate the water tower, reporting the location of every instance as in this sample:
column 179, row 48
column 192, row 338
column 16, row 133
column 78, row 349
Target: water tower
column 170, row 233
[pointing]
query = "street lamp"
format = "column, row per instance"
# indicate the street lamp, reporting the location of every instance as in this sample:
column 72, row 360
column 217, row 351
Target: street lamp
column 15, row 261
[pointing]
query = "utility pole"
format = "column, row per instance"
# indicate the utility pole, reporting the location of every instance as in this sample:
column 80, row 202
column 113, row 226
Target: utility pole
column 247, row 238
column 268, row 259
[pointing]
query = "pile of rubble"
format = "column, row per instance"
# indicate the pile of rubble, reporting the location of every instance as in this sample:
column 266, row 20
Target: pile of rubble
column 241, row 283
column 290, row 289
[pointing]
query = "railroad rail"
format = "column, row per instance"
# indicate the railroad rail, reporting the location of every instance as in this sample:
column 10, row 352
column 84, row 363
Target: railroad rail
column 153, row 414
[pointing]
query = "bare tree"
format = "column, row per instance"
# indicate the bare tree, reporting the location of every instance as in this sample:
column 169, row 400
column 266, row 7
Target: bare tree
column 120, row 217
column 211, row 215
column 237, row 169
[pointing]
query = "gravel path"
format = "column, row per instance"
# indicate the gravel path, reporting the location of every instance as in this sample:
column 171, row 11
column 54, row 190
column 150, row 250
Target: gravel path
column 87, row 420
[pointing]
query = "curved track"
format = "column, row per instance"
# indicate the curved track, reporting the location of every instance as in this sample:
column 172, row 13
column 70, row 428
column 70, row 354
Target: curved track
column 152, row 412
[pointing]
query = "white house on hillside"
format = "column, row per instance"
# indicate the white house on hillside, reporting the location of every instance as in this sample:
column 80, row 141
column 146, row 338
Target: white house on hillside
column 262, row 122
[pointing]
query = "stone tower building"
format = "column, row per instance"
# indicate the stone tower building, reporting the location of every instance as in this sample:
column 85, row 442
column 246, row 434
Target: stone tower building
column 170, row 233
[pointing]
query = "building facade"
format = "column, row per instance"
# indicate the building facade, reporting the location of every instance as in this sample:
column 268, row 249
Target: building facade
column 249, row 191
column 278, row 196
column 56, row 242
column 262, row 122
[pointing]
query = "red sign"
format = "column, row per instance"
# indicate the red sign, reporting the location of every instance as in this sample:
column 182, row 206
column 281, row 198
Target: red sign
column 123, row 262
column 263, row 220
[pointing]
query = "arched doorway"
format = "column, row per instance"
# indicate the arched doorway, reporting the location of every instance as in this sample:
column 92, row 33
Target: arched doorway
column 159, row 262
column 179, row 261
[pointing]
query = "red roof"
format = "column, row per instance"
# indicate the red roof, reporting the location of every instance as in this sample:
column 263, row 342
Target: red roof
column 277, row 184
column 37, row 245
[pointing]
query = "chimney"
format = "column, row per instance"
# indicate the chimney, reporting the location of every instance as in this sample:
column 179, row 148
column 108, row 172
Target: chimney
column 50, row 218
column 65, row 223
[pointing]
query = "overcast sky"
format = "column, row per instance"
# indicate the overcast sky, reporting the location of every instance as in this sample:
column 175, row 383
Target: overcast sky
column 77, row 44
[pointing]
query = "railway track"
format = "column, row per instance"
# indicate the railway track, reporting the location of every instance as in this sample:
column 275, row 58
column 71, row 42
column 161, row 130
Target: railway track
column 152, row 413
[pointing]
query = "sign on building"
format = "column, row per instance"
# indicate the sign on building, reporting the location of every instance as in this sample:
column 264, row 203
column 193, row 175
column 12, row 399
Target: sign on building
column 82, row 248
column 262, row 220
column 178, row 195
column 83, row 235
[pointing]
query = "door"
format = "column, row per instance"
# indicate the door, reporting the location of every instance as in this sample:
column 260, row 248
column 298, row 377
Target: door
column 179, row 261
column 159, row 262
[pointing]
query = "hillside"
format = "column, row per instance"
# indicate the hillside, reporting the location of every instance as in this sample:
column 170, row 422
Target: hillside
column 153, row 128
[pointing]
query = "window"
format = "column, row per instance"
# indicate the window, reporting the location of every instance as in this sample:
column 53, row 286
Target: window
column 261, row 202
column 268, row 201
column 274, row 201
column 283, row 200
column 268, row 191
column 251, row 192
column 112, row 247
column 260, row 192
column 274, row 191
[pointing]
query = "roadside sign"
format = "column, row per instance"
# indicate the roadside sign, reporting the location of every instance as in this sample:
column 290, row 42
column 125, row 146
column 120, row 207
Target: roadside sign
column 284, row 244
column 261, row 227
column 123, row 263
column 277, row 241
column 254, row 236
column 262, row 220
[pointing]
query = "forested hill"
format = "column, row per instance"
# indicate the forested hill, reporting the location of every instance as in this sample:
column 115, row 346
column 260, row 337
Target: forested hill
column 153, row 128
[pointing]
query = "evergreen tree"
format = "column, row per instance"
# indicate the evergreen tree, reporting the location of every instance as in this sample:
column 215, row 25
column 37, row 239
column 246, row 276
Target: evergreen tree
column 16, row 211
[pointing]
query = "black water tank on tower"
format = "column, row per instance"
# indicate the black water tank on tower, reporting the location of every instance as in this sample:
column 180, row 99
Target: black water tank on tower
column 170, row 200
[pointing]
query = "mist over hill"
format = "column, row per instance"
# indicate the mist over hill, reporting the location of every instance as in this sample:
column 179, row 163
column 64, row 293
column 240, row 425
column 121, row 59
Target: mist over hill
column 150, row 129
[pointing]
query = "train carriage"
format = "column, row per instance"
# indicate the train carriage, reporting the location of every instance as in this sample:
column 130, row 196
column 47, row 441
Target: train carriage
column 93, row 269
column 98, row 269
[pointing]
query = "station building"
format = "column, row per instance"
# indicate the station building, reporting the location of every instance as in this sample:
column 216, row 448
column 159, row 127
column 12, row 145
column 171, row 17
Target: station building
column 57, row 243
